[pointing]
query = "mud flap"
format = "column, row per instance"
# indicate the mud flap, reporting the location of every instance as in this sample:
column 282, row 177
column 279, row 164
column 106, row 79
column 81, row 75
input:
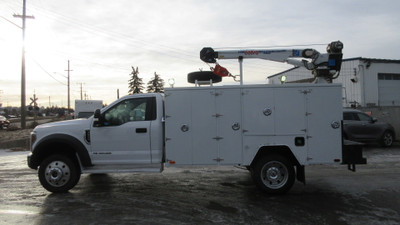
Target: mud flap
column 300, row 174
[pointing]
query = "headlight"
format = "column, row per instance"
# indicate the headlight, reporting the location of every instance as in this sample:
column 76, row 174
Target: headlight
column 32, row 139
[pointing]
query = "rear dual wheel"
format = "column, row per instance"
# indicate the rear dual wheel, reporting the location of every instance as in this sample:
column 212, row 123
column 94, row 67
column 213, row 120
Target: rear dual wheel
column 274, row 174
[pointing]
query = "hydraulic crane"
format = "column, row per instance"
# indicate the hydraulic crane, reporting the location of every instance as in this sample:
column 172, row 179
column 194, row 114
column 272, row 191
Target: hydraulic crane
column 324, row 67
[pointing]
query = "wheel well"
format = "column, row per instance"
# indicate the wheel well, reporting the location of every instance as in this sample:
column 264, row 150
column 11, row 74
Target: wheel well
column 64, row 145
column 389, row 131
column 52, row 149
column 285, row 152
column 278, row 150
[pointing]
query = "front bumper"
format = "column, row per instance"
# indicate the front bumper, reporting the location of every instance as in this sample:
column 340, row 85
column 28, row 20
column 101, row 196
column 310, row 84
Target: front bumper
column 30, row 162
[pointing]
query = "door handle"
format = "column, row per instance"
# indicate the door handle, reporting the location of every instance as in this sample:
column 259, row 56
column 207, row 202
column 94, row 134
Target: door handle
column 141, row 130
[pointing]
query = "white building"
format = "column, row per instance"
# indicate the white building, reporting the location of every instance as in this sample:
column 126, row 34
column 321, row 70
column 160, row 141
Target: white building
column 366, row 82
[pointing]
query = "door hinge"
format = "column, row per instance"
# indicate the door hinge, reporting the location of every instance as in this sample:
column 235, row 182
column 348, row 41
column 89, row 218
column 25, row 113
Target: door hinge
column 216, row 93
column 217, row 115
column 218, row 138
column 218, row 159
column 305, row 91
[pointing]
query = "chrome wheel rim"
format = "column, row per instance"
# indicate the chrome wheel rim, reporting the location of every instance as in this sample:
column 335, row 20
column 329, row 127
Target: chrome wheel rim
column 57, row 173
column 274, row 175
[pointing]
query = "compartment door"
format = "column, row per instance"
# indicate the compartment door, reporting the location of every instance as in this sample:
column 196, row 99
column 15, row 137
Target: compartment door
column 229, row 126
column 324, row 110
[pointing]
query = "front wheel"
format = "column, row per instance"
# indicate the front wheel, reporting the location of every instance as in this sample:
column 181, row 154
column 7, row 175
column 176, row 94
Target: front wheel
column 387, row 139
column 274, row 174
column 58, row 173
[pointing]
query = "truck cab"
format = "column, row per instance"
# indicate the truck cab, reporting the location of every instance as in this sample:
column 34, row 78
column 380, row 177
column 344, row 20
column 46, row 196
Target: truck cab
column 126, row 136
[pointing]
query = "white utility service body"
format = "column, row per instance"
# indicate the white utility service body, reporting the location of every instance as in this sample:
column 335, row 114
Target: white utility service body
column 229, row 125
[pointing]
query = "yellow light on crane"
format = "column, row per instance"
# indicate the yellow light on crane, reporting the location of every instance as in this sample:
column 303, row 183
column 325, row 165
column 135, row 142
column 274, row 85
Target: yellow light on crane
column 283, row 79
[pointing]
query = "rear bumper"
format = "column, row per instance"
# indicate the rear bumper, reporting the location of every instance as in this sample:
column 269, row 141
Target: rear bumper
column 352, row 154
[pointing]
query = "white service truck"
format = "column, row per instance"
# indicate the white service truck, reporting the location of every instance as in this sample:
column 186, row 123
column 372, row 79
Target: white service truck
column 274, row 131
column 86, row 108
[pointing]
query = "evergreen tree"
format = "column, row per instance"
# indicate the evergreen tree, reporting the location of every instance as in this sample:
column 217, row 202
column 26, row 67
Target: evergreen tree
column 135, row 83
column 155, row 85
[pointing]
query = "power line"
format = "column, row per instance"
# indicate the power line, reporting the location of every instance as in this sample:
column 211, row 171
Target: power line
column 171, row 51
column 44, row 70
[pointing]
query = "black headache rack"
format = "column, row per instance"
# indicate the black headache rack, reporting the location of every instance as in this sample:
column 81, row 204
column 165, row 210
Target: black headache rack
column 352, row 154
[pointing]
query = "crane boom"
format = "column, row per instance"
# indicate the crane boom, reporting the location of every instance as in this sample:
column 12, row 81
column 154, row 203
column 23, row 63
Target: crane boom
column 326, row 66
column 210, row 56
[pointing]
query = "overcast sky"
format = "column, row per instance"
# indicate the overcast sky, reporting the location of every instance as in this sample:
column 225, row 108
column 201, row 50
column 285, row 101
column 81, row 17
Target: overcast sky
column 104, row 39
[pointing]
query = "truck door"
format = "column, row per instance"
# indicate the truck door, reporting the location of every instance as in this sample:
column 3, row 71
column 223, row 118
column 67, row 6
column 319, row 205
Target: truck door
column 123, row 136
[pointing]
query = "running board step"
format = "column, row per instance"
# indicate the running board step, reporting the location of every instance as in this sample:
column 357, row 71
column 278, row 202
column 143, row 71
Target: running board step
column 123, row 168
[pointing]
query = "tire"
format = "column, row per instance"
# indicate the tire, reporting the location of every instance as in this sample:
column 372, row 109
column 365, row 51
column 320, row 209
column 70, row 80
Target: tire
column 274, row 174
column 387, row 139
column 58, row 173
column 202, row 76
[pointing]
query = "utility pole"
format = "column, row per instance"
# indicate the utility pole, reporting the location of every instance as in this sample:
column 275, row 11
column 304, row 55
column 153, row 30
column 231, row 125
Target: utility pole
column 68, row 88
column 81, row 84
column 1, row 104
column 23, row 92
column 81, row 92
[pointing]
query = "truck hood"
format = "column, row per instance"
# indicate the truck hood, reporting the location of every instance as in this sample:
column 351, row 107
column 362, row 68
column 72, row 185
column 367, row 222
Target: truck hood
column 68, row 126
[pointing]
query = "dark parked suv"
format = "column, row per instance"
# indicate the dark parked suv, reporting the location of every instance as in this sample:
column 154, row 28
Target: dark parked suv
column 359, row 126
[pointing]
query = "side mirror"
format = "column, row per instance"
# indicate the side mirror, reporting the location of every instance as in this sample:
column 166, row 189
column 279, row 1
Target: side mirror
column 97, row 114
column 97, row 118
column 374, row 119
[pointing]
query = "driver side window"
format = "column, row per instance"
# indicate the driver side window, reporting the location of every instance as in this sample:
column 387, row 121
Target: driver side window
column 126, row 111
